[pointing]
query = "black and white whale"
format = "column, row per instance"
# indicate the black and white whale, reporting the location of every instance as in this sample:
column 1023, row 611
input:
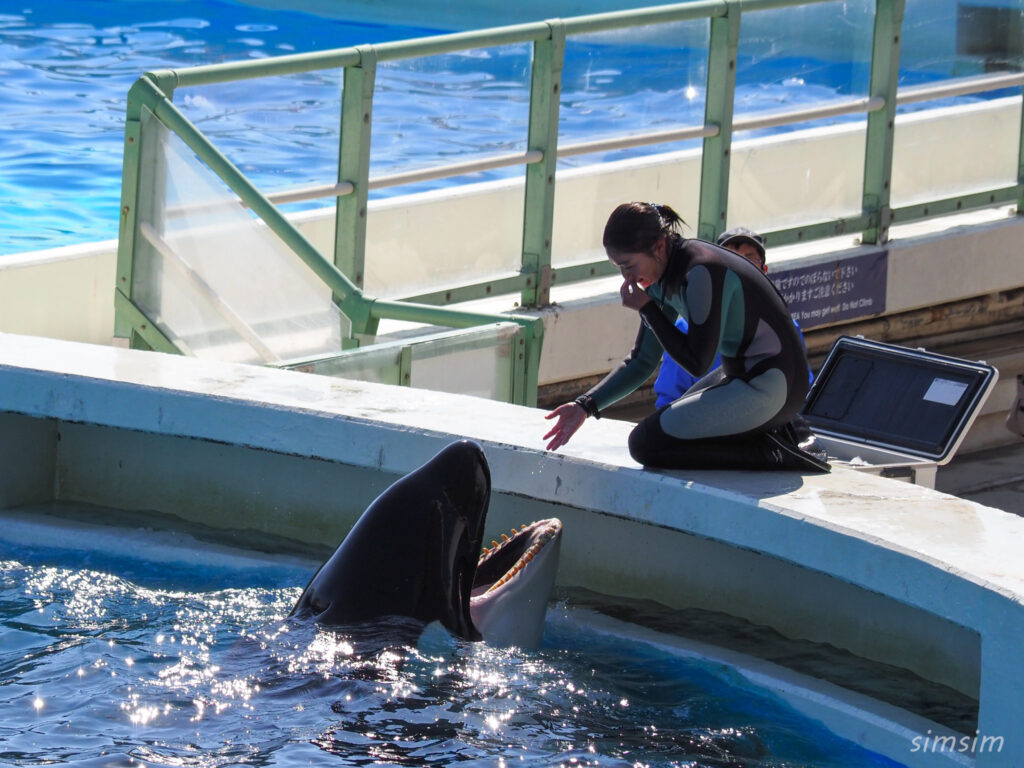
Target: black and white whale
column 416, row 553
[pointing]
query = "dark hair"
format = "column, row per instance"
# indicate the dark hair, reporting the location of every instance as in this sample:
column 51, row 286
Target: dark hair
column 636, row 227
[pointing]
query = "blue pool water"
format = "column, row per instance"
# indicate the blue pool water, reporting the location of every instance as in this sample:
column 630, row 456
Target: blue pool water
column 65, row 69
column 145, row 656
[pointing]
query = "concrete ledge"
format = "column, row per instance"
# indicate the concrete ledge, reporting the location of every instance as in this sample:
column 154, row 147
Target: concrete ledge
column 888, row 570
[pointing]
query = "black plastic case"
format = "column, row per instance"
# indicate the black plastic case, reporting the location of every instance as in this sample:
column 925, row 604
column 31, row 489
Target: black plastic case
column 894, row 411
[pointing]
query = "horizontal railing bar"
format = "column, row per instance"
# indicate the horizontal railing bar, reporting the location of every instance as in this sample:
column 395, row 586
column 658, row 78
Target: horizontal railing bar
column 473, row 291
column 637, row 140
column 409, row 177
column 958, row 87
column 579, row 148
column 605, row 22
column 771, row 5
column 456, row 169
column 775, row 119
column 576, row 272
column 299, row 63
column 427, row 314
column 473, row 337
column 273, row 66
column 435, row 45
column 701, row 9
column 956, row 204
column 820, row 230
column 311, row 193
column 298, row 195
column 345, row 57
column 571, row 150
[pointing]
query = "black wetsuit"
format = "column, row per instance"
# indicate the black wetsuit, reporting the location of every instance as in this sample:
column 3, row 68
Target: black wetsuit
column 722, row 421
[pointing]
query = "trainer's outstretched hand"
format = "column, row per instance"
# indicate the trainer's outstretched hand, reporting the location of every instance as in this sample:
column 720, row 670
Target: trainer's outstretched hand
column 570, row 418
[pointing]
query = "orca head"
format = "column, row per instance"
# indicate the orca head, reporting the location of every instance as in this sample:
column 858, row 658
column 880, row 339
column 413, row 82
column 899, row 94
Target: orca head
column 413, row 552
column 513, row 583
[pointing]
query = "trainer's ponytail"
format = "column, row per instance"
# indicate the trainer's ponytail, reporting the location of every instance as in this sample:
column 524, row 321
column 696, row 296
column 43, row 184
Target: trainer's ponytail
column 636, row 227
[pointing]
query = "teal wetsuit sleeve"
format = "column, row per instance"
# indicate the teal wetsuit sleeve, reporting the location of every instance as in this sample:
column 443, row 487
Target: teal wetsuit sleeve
column 631, row 373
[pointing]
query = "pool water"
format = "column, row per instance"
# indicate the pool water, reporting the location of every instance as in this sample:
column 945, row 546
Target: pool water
column 166, row 651
column 65, row 70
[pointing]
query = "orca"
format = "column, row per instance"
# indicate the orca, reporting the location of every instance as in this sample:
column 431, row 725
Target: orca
column 513, row 583
column 417, row 553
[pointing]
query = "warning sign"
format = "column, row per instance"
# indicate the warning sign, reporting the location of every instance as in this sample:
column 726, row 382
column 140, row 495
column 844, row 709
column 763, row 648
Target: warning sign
column 844, row 289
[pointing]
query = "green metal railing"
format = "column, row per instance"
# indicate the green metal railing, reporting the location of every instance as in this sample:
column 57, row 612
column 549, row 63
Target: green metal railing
column 343, row 271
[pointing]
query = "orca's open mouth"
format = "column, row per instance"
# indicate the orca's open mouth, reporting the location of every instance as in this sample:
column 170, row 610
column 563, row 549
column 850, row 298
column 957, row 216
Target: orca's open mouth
column 505, row 560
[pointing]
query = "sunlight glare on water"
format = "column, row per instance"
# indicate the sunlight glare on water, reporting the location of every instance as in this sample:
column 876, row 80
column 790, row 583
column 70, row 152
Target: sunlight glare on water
column 102, row 670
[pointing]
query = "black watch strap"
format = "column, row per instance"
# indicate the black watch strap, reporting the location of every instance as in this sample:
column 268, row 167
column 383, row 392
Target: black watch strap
column 586, row 402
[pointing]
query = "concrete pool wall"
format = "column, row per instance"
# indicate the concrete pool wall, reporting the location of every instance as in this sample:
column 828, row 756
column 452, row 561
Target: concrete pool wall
column 889, row 571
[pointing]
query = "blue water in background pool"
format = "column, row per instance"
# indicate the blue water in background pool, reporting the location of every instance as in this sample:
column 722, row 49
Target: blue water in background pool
column 65, row 69
column 109, row 658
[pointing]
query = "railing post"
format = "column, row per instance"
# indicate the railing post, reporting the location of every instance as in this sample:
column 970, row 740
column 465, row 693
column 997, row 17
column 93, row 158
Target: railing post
column 718, row 111
column 354, row 166
column 526, row 362
column 539, row 198
column 129, row 321
column 1020, row 163
column 885, row 65
column 405, row 367
column 129, row 210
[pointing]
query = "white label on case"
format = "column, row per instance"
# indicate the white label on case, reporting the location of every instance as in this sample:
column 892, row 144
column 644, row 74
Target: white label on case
column 945, row 392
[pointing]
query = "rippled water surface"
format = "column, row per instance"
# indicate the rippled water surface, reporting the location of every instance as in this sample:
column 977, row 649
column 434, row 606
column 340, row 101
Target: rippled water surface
column 160, row 654
column 65, row 70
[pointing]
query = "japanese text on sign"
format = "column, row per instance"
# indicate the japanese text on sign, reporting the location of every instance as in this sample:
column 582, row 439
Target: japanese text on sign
column 829, row 292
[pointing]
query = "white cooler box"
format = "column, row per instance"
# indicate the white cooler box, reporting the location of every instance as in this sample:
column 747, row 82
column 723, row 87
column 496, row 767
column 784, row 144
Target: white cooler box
column 894, row 411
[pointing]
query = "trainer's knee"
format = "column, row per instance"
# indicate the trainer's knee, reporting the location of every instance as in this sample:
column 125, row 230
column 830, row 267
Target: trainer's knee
column 640, row 444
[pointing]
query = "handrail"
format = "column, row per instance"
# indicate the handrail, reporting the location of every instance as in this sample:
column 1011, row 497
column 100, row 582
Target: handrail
column 638, row 140
column 362, row 311
column 548, row 38
column 961, row 86
column 774, row 119
column 456, row 169
column 909, row 95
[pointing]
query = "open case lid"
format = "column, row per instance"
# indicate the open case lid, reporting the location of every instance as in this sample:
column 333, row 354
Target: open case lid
column 897, row 398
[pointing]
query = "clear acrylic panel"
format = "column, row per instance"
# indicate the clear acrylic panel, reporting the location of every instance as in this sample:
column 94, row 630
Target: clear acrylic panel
column 620, row 84
column 960, row 144
column 633, row 81
column 943, row 39
column 798, row 178
column 449, row 108
column 441, row 110
column 471, row 361
column 477, row 362
column 214, row 278
column 436, row 240
column 381, row 364
column 792, row 59
column 281, row 131
column 949, row 151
